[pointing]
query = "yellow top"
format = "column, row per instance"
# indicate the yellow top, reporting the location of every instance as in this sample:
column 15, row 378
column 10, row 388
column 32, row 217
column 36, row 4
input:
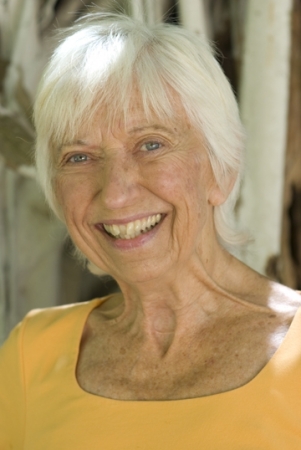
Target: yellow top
column 42, row 406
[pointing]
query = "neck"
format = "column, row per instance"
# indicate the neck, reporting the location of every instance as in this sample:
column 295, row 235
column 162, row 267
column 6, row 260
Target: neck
column 178, row 302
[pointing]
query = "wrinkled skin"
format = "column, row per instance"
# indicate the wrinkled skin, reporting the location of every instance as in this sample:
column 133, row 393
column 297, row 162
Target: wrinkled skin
column 118, row 179
column 191, row 318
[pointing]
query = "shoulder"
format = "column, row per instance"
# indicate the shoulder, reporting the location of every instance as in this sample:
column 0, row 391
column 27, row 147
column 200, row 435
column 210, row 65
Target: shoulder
column 267, row 293
column 56, row 325
column 43, row 338
column 256, row 289
column 43, row 328
column 43, row 320
column 283, row 299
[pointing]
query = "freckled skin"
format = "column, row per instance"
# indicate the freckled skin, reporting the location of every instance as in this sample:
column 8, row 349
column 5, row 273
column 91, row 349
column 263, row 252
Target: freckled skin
column 121, row 180
column 191, row 319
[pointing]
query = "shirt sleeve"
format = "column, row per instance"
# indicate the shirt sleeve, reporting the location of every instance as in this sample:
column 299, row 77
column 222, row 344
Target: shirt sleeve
column 12, row 393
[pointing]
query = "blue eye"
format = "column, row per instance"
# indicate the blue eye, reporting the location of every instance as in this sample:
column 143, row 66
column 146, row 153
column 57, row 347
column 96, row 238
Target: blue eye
column 79, row 158
column 151, row 145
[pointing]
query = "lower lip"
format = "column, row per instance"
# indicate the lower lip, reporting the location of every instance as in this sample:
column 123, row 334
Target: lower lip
column 131, row 244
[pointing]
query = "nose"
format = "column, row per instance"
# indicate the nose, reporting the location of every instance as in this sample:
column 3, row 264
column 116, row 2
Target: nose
column 119, row 183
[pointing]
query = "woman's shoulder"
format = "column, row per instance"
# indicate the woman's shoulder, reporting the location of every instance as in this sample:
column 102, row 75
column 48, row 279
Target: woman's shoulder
column 46, row 319
column 56, row 314
column 259, row 290
column 44, row 337
column 282, row 299
column 46, row 326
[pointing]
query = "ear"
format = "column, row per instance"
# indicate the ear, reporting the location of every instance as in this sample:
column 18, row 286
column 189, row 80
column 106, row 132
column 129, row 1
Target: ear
column 219, row 194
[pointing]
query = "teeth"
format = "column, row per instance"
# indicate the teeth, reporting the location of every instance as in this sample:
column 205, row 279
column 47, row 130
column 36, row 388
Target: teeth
column 115, row 230
column 137, row 227
column 133, row 229
column 130, row 228
column 153, row 221
column 122, row 229
column 143, row 224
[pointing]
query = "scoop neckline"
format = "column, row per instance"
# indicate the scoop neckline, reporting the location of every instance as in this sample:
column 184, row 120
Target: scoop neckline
column 92, row 304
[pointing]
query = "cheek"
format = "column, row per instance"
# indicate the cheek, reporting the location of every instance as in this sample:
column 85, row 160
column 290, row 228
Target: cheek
column 186, row 178
column 72, row 194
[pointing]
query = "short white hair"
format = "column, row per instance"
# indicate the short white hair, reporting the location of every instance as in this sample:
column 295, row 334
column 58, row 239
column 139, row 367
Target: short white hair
column 98, row 64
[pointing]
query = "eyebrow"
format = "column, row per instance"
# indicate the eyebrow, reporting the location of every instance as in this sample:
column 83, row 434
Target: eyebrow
column 78, row 142
column 133, row 130
column 147, row 127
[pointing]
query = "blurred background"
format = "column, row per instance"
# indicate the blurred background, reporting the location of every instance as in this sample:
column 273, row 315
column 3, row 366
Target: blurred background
column 259, row 47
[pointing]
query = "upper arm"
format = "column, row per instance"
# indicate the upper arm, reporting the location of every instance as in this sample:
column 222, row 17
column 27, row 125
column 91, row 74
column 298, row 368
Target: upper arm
column 12, row 392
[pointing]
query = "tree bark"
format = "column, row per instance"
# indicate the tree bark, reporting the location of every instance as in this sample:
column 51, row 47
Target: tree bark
column 264, row 99
column 289, row 265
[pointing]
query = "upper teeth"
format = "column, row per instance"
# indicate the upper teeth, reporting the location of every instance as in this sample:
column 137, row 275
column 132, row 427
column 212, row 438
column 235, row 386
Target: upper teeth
column 133, row 229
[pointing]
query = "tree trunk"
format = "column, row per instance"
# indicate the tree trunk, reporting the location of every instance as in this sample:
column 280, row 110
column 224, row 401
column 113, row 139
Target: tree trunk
column 289, row 265
column 264, row 100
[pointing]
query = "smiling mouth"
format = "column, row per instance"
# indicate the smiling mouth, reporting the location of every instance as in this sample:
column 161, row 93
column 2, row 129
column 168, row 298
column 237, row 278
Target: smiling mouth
column 133, row 229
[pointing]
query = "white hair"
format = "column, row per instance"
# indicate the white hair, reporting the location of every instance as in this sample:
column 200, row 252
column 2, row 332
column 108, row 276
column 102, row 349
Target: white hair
column 103, row 58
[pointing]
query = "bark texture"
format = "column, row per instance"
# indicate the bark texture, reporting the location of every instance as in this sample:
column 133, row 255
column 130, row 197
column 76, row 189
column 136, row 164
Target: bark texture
column 288, row 267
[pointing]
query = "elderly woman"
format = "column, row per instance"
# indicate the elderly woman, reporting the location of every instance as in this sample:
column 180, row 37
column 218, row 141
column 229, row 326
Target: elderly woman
column 139, row 152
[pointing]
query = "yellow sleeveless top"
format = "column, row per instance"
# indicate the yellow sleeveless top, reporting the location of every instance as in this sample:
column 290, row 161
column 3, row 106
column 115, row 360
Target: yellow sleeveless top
column 42, row 407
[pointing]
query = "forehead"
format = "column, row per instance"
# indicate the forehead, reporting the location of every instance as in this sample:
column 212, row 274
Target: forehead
column 138, row 117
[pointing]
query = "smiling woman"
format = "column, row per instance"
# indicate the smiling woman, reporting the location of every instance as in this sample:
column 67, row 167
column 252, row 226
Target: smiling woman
column 123, row 196
column 139, row 152
column 104, row 68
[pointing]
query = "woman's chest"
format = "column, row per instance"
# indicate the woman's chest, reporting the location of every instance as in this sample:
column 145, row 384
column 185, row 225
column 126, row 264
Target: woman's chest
column 216, row 360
